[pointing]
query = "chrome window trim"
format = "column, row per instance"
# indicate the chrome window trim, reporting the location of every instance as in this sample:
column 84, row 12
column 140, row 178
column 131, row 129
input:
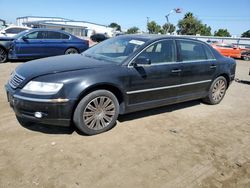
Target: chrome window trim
column 59, row 100
column 165, row 63
column 167, row 87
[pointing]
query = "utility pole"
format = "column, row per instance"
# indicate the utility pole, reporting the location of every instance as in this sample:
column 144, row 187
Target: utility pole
column 147, row 23
column 176, row 10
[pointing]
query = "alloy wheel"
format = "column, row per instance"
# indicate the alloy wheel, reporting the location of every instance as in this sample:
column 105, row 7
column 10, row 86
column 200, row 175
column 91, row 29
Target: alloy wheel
column 3, row 55
column 99, row 113
column 218, row 90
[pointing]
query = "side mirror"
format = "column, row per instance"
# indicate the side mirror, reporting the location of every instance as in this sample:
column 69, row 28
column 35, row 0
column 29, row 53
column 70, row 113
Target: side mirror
column 24, row 37
column 142, row 61
column 3, row 32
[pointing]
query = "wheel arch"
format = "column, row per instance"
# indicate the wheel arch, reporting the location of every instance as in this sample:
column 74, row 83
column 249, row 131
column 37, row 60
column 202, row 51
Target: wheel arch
column 226, row 76
column 105, row 86
column 72, row 47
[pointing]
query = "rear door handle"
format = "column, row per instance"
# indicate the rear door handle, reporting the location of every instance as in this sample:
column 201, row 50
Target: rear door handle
column 212, row 66
column 176, row 70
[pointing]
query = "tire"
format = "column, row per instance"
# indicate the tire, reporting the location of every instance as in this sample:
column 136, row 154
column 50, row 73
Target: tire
column 71, row 51
column 24, row 122
column 3, row 55
column 97, row 112
column 217, row 91
column 246, row 58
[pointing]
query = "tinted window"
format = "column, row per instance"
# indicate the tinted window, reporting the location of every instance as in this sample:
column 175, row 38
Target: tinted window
column 208, row 53
column 160, row 52
column 64, row 36
column 56, row 35
column 22, row 29
column 190, row 50
column 37, row 35
column 12, row 31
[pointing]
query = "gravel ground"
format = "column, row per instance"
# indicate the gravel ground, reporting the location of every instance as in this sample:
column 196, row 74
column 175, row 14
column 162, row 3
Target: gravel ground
column 186, row 145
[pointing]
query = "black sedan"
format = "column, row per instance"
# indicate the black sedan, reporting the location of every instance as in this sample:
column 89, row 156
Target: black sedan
column 38, row 43
column 120, row 75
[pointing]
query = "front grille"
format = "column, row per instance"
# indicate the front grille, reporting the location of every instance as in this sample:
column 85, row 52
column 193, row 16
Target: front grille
column 15, row 80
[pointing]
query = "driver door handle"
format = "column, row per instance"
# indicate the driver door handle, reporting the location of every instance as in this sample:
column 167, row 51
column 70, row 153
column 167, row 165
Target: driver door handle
column 176, row 70
column 212, row 66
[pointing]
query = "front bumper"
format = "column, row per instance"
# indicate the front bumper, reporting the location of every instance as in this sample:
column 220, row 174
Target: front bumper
column 54, row 111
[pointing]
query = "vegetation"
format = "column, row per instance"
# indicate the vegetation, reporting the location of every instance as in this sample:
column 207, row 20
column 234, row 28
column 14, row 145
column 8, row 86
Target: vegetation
column 222, row 33
column 168, row 28
column 246, row 34
column 132, row 30
column 191, row 25
column 116, row 26
column 154, row 28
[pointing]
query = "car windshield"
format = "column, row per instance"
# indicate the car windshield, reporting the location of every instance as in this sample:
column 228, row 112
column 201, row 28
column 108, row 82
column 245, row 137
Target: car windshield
column 116, row 49
column 20, row 34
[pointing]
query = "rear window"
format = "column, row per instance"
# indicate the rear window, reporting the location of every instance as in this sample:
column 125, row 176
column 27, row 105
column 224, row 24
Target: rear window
column 193, row 51
column 57, row 35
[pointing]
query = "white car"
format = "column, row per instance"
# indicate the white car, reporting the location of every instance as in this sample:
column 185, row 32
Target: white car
column 11, row 31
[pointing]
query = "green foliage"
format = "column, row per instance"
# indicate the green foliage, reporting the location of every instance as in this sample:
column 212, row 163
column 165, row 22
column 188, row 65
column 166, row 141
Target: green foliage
column 222, row 33
column 168, row 26
column 132, row 30
column 115, row 25
column 190, row 25
column 246, row 34
column 154, row 28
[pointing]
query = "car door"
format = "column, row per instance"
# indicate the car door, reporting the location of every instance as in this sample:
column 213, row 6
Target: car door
column 198, row 68
column 57, row 43
column 157, row 82
column 32, row 45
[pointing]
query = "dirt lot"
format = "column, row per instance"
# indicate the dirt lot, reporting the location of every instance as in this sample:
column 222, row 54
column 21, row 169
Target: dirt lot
column 184, row 145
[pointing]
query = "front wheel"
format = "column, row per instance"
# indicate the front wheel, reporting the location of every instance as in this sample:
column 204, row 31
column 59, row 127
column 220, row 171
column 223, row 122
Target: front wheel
column 3, row 55
column 97, row 112
column 217, row 91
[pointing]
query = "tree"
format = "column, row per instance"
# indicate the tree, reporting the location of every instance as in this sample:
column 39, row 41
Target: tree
column 116, row 26
column 191, row 25
column 205, row 30
column 246, row 34
column 153, row 27
column 168, row 26
column 132, row 30
column 222, row 33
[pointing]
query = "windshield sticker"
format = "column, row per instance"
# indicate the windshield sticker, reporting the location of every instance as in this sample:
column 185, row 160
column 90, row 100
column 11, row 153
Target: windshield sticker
column 137, row 42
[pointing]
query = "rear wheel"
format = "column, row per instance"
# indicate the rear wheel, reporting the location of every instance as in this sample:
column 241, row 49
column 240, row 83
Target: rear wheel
column 97, row 112
column 71, row 51
column 217, row 91
column 3, row 55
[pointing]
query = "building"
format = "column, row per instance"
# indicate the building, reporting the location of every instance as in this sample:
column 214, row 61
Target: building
column 78, row 28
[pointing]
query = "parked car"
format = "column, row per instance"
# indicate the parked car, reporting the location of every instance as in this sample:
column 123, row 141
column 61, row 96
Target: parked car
column 120, row 75
column 11, row 31
column 228, row 50
column 99, row 37
column 38, row 43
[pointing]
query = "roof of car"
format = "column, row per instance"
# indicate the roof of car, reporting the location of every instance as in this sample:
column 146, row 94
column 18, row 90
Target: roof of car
column 157, row 37
column 46, row 29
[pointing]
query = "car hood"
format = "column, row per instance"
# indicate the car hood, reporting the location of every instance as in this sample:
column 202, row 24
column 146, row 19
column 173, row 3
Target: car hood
column 6, row 39
column 58, row 64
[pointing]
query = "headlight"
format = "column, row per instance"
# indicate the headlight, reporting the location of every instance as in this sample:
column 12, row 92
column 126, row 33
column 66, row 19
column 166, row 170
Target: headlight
column 42, row 88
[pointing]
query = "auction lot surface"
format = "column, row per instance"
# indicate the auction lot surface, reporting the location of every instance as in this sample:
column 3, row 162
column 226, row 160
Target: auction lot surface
column 185, row 145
